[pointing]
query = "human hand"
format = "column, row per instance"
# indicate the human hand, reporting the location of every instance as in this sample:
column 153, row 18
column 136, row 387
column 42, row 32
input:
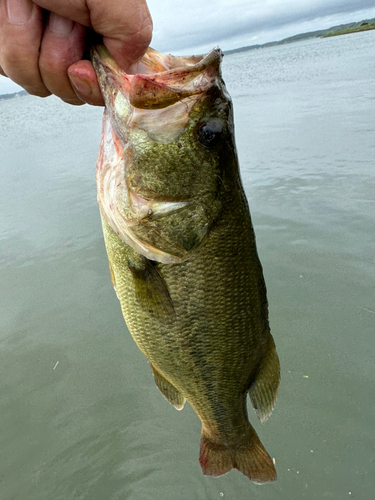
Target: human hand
column 42, row 43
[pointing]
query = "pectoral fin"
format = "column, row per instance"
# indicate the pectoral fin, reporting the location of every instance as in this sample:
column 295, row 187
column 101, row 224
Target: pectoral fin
column 151, row 290
column 113, row 279
column 170, row 393
column 263, row 391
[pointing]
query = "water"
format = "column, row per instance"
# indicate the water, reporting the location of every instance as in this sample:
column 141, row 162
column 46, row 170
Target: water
column 80, row 415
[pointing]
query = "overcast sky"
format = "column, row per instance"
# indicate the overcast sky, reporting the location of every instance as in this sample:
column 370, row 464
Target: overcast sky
column 194, row 26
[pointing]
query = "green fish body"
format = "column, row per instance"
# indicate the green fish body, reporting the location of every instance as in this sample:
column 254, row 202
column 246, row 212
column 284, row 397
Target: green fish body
column 182, row 250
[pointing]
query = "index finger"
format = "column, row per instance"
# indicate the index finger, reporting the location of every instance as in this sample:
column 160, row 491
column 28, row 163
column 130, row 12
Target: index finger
column 125, row 25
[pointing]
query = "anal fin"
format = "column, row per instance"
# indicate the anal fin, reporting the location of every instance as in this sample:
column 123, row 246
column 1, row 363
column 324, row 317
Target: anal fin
column 263, row 391
column 168, row 390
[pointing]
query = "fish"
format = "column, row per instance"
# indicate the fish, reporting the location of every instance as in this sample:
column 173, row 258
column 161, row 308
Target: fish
column 181, row 249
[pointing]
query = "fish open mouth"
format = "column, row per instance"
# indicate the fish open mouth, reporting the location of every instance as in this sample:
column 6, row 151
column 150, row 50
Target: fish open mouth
column 158, row 80
column 158, row 92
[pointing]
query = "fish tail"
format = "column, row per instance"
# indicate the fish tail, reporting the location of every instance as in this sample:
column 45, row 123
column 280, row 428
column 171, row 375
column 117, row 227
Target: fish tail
column 251, row 458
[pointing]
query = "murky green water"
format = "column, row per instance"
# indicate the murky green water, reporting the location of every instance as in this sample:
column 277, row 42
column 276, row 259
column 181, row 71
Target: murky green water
column 80, row 417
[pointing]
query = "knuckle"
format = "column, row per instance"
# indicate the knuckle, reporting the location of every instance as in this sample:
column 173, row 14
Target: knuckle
column 24, row 71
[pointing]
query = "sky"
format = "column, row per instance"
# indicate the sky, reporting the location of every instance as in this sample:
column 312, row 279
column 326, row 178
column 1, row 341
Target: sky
column 196, row 26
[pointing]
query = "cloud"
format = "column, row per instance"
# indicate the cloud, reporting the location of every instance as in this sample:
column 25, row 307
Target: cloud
column 183, row 25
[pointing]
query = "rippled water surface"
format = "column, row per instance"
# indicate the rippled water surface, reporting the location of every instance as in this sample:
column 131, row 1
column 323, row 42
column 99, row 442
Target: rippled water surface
column 80, row 415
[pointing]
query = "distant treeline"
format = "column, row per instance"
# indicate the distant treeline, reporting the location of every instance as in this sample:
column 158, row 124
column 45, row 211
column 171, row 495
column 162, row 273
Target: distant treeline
column 20, row 93
column 365, row 26
column 334, row 30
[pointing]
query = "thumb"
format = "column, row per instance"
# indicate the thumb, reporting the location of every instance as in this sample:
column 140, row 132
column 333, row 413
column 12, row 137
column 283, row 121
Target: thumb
column 126, row 27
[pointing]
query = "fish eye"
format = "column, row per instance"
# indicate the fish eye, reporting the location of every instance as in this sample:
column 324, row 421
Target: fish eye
column 209, row 133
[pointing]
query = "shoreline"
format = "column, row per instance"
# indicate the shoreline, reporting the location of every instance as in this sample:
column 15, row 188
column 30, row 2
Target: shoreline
column 357, row 29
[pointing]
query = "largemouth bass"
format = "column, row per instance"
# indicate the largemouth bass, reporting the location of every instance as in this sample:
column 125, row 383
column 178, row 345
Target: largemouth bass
column 182, row 251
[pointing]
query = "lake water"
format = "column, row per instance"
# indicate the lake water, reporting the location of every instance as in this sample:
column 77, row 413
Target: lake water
column 80, row 415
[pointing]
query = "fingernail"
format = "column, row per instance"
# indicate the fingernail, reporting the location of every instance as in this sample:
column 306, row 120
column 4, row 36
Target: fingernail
column 60, row 26
column 80, row 85
column 19, row 11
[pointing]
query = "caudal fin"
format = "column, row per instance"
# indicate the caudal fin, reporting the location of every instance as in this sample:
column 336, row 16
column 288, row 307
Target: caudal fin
column 250, row 458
